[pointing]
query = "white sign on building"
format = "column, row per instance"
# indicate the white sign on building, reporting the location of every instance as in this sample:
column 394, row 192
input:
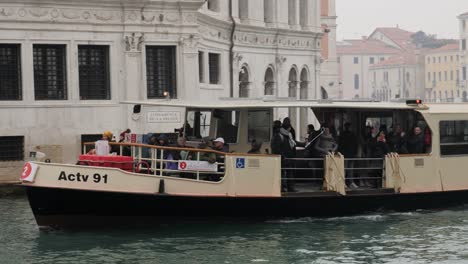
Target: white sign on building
column 163, row 117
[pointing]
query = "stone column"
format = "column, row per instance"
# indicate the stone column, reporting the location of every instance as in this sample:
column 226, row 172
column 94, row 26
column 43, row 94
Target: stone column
column 135, row 89
column 187, row 81
column 282, row 13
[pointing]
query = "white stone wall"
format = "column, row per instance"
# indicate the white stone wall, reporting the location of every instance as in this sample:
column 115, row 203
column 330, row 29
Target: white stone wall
column 397, row 86
column 348, row 69
column 187, row 24
column 463, row 22
column 329, row 77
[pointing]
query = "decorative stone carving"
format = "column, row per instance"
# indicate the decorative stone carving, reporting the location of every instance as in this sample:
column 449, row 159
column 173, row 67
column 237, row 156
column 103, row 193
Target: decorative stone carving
column 70, row 14
column 172, row 17
column 6, row 12
column 86, row 15
column 22, row 12
column 280, row 60
column 237, row 57
column 148, row 17
column 189, row 44
column 54, row 13
column 104, row 16
column 134, row 42
column 39, row 12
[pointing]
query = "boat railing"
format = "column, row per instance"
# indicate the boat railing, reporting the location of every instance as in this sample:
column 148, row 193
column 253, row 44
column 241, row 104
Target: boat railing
column 364, row 172
column 191, row 163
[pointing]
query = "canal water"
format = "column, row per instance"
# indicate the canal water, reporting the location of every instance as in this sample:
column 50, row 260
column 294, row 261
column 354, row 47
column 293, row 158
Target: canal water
column 416, row 237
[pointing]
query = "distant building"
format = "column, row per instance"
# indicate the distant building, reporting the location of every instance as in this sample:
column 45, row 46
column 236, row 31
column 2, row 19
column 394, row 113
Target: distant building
column 463, row 84
column 355, row 58
column 397, row 77
column 329, row 79
column 443, row 74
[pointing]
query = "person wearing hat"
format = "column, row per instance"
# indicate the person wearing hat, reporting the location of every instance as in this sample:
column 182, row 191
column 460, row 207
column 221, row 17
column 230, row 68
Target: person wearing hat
column 219, row 145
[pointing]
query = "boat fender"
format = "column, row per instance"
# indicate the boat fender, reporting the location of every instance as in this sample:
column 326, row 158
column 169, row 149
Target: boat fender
column 162, row 188
column 138, row 166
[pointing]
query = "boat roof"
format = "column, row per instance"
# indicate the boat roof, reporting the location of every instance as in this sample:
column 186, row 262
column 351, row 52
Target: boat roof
column 278, row 103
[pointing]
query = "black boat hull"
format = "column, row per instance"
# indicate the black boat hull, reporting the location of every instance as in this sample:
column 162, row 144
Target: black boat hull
column 68, row 208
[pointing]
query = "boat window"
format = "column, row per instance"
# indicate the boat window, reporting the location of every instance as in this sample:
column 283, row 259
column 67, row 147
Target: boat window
column 198, row 124
column 227, row 125
column 453, row 138
column 377, row 122
column 259, row 125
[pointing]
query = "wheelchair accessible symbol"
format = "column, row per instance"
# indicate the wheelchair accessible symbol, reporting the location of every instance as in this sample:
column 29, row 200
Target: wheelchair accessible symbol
column 240, row 163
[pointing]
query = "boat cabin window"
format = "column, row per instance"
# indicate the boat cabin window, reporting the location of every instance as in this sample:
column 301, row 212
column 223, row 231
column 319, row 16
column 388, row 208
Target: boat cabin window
column 198, row 124
column 227, row 124
column 453, row 137
column 259, row 125
column 403, row 131
column 212, row 124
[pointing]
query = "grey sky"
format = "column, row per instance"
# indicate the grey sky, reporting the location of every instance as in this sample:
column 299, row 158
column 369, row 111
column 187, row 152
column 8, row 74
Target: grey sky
column 358, row 18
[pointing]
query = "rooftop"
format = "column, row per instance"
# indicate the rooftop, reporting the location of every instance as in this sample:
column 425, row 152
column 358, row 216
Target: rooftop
column 447, row 48
column 364, row 46
column 398, row 60
column 400, row 36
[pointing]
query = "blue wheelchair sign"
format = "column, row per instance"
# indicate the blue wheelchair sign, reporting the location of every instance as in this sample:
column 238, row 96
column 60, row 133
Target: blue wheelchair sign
column 240, row 163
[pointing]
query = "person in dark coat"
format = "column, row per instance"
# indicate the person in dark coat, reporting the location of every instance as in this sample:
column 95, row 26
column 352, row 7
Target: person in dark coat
column 348, row 146
column 287, row 125
column 416, row 143
column 381, row 147
column 397, row 140
column 276, row 139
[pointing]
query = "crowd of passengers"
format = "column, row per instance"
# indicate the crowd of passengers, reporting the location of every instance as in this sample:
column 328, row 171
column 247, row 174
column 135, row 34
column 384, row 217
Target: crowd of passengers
column 321, row 142
column 284, row 143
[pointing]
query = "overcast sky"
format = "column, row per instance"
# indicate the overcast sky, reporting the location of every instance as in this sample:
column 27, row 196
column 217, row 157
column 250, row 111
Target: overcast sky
column 358, row 18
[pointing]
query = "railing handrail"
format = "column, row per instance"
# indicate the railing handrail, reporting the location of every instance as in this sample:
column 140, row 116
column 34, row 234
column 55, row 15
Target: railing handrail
column 184, row 149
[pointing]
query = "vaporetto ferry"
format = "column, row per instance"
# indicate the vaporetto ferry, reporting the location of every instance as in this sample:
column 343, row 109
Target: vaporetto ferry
column 146, row 187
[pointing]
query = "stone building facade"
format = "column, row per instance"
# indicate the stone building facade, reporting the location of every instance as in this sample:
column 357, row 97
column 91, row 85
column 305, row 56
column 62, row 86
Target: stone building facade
column 66, row 66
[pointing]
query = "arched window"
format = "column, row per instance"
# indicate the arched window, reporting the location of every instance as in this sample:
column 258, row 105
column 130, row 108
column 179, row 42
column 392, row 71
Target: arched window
column 269, row 82
column 304, row 84
column 292, row 81
column 356, row 81
column 244, row 82
column 268, row 11
column 243, row 9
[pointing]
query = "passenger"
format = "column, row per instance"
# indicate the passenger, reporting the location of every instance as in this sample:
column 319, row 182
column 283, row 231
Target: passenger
column 276, row 138
column 348, row 146
column 397, row 140
column 167, row 154
column 126, row 150
column 287, row 125
column 182, row 154
column 381, row 148
column 256, row 147
column 206, row 156
column 416, row 142
column 325, row 143
column 219, row 145
column 368, row 141
column 288, row 152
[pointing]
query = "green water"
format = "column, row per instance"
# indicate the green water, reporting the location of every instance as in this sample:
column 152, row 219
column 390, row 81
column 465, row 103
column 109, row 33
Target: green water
column 418, row 237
